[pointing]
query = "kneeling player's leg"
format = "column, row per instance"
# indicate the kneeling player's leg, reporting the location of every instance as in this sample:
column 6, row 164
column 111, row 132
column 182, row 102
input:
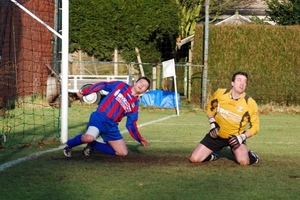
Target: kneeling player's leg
column 254, row 158
column 119, row 146
column 90, row 135
column 201, row 153
column 112, row 147
column 80, row 139
column 206, row 148
column 103, row 147
column 72, row 143
column 75, row 141
column 115, row 145
column 245, row 157
column 241, row 154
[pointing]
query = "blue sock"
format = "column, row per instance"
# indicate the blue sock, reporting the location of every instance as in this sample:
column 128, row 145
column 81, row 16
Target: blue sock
column 75, row 141
column 104, row 147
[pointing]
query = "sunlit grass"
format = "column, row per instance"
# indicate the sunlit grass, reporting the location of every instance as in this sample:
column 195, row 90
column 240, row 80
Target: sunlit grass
column 162, row 170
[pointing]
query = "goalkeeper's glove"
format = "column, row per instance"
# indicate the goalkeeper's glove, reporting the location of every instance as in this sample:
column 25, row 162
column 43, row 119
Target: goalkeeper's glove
column 214, row 128
column 236, row 141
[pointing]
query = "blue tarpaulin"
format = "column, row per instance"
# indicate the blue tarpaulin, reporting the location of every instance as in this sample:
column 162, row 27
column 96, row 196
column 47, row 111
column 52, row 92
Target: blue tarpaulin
column 160, row 98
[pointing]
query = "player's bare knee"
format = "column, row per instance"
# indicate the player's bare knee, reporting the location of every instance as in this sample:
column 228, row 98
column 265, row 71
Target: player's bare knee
column 122, row 153
column 194, row 160
column 87, row 138
column 243, row 162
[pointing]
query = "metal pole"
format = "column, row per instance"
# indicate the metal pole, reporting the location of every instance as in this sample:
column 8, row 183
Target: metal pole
column 65, row 71
column 205, row 64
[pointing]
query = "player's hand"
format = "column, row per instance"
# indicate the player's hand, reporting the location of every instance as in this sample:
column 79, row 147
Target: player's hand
column 144, row 142
column 214, row 128
column 236, row 141
column 79, row 94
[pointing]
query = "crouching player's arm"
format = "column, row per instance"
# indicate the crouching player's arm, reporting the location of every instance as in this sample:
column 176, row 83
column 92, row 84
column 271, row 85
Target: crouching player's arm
column 214, row 127
column 253, row 120
column 133, row 130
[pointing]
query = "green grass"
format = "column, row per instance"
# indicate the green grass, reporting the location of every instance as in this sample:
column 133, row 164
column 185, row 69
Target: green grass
column 162, row 170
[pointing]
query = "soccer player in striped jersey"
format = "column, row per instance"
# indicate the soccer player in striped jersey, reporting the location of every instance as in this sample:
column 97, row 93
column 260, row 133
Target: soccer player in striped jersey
column 228, row 112
column 122, row 100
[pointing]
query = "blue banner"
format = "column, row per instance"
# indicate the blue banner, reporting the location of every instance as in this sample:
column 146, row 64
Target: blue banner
column 160, row 98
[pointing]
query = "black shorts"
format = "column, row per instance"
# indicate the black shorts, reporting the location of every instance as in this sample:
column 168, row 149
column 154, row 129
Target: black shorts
column 214, row 144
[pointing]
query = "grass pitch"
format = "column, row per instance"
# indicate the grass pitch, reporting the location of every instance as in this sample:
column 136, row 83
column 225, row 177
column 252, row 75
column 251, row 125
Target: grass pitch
column 162, row 170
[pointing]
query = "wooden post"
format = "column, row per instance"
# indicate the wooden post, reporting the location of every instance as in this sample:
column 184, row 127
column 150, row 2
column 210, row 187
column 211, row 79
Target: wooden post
column 154, row 77
column 139, row 61
column 116, row 62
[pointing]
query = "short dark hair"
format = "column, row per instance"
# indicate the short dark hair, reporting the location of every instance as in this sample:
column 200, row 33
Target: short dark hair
column 239, row 73
column 145, row 78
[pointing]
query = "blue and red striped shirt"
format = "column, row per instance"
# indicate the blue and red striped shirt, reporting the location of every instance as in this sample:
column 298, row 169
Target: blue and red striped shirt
column 117, row 104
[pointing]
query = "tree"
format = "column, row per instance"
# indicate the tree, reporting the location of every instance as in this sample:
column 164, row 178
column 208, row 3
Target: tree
column 189, row 16
column 284, row 12
column 99, row 26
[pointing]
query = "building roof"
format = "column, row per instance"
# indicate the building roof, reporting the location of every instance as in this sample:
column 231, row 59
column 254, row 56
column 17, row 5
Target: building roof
column 235, row 19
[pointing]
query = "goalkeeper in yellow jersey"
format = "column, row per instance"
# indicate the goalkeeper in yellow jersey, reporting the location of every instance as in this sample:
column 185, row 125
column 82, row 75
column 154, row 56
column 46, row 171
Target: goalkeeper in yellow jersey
column 228, row 112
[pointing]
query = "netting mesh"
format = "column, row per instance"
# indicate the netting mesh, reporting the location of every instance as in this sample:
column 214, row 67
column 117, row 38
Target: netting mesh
column 25, row 49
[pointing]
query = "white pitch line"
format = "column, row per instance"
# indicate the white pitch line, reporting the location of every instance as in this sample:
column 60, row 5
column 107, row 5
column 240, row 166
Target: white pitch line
column 178, row 124
column 31, row 156
column 276, row 143
column 152, row 122
column 35, row 155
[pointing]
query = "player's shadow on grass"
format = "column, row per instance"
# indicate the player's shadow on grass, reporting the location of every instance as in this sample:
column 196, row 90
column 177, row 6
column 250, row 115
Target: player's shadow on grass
column 227, row 153
column 134, row 148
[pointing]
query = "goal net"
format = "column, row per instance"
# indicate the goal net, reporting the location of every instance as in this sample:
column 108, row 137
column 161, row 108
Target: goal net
column 28, row 58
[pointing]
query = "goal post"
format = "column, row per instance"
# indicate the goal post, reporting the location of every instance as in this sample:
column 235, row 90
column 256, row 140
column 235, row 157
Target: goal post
column 64, row 71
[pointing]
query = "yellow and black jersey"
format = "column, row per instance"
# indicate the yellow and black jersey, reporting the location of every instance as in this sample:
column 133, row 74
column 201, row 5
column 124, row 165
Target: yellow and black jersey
column 233, row 114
